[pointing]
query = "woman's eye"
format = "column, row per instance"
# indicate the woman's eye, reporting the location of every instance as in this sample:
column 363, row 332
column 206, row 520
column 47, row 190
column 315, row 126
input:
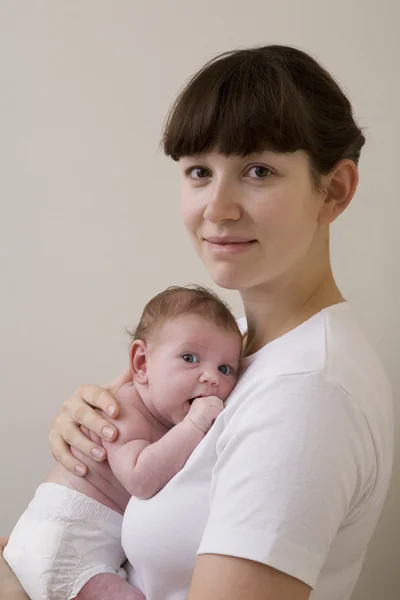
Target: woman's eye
column 259, row 172
column 225, row 370
column 198, row 173
column 190, row 358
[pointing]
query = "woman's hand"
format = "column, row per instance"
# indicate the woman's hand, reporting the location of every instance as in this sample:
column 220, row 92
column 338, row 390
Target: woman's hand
column 77, row 412
column 10, row 587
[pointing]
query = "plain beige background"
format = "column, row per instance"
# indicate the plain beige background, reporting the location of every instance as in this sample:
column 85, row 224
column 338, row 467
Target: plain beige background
column 90, row 227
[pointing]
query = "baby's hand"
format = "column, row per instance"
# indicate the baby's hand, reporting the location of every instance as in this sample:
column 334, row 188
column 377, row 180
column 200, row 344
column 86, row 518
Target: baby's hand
column 204, row 411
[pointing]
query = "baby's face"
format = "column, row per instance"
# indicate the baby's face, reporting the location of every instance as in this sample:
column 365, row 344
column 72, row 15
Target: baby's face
column 191, row 357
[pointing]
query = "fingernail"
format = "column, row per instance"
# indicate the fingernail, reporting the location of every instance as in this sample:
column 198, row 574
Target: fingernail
column 97, row 452
column 80, row 470
column 107, row 432
column 111, row 410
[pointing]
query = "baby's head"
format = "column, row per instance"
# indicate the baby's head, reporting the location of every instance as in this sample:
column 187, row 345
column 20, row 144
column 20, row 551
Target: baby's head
column 187, row 344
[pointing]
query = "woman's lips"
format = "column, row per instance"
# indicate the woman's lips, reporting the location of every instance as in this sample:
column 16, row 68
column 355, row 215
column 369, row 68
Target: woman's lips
column 228, row 245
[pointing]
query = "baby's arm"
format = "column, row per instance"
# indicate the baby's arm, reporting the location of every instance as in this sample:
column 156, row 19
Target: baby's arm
column 144, row 468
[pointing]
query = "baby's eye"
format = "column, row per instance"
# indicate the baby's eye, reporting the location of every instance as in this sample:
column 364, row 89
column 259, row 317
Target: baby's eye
column 225, row 370
column 190, row 358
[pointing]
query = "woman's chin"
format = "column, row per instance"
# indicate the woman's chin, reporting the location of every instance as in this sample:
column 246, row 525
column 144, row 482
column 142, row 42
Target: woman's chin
column 228, row 278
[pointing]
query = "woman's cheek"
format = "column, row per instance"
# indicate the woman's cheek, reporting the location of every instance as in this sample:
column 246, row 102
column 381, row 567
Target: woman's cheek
column 186, row 213
column 190, row 221
column 187, row 221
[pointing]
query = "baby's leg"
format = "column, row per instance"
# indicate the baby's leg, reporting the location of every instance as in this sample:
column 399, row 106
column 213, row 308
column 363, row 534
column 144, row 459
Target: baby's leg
column 106, row 586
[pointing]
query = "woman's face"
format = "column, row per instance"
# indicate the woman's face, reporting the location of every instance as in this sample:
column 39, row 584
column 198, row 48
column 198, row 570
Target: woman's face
column 252, row 220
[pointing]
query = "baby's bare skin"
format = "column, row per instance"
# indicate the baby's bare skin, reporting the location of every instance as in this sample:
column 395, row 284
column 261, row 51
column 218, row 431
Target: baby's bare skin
column 146, row 454
column 100, row 482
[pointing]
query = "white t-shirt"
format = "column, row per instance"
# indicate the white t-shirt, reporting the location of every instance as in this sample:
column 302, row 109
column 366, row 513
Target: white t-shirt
column 293, row 473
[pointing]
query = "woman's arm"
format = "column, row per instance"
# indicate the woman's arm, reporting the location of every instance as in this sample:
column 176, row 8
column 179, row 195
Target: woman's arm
column 77, row 412
column 10, row 587
column 230, row 578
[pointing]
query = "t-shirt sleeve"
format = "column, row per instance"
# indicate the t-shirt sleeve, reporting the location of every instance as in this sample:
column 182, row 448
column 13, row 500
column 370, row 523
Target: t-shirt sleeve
column 292, row 462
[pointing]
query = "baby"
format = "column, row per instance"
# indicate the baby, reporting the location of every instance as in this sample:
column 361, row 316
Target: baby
column 184, row 358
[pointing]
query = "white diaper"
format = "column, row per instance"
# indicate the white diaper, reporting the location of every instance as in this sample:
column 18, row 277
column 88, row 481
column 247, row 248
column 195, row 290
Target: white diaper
column 61, row 541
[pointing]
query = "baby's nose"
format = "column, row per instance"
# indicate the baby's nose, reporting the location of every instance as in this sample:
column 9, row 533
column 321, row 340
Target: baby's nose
column 209, row 377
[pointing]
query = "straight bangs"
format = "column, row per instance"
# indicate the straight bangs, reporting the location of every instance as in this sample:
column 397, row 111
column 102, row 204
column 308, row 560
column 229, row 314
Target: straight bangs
column 237, row 104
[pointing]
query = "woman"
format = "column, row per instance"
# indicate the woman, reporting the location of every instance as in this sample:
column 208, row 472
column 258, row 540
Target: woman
column 282, row 496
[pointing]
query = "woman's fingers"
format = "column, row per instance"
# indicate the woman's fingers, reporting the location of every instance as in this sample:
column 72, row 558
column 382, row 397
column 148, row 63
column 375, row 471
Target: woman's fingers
column 78, row 410
column 94, row 395
column 62, row 452
column 78, row 413
column 70, row 432
column 66, row 431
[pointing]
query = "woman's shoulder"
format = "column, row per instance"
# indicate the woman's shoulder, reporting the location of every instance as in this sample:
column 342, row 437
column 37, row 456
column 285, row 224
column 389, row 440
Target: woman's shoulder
column 331, row 344
column 324, row 365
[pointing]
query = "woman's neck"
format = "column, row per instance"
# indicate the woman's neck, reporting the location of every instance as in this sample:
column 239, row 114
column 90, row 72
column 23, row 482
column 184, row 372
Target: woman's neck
column 277, row 308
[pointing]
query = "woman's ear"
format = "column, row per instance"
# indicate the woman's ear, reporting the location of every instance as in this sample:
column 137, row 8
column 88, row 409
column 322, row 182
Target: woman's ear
column 340, row 186
column 138, row 361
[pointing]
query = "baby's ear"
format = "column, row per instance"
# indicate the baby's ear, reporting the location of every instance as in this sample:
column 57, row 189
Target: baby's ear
column 138, row 360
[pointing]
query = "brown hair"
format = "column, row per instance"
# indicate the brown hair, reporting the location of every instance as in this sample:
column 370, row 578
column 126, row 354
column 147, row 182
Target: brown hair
column 176, row 301
column 274, row 98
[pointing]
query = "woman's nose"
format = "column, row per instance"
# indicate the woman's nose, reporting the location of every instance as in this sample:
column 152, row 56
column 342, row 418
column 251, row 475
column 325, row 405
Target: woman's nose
column 222, row 205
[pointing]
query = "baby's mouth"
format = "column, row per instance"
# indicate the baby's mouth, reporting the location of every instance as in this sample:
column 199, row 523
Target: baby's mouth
column 191, row 400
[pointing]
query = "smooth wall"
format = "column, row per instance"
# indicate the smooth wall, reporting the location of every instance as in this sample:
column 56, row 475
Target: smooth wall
column 89, row 225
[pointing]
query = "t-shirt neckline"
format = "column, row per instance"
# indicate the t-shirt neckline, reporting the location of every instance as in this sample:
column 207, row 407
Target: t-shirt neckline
column 246, row 360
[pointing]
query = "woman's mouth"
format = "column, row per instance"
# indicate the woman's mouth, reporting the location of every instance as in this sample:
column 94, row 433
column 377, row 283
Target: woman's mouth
column 228, row 245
